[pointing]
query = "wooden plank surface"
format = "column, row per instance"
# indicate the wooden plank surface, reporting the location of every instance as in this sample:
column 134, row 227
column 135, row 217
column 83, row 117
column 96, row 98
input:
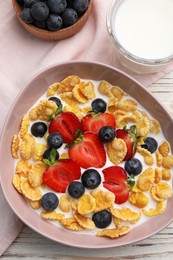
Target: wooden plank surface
column 30, row 245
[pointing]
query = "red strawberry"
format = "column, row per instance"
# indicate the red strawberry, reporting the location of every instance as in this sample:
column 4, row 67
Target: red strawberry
column 115, row 180
column 93, row 122
column 88, row 151
column 60, row 175
column 66, row 123
column 130, row 138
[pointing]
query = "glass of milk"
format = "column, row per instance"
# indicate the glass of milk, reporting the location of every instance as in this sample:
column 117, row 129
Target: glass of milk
column 142, row 31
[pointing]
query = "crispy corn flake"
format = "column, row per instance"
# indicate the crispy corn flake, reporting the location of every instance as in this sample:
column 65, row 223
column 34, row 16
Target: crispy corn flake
column 104, row 199
column 23, row 168
column 163, row 190
column 104, row 88
column 69, row 99
column 70, row 81
column 16, row 181
column 74, row 110
column 160, row 208
column 71, row 224
column 159, row 158
column 125, row 119
column 67, row 221
column 155, row 126
column 29, row 192
column 74, row 205
column 83, row 221
column 45, row 109
column 158, row 175
column 64, row 203
column 148, row 158
column 27, row 147
column 117, row 92
column 138, row 199
column 154, row 194
column 85, row 110
column 167, row 161
column 15, row 146
column 164, row 148
column 77, row 93
column 52, row 89
column 146, row 179
column 143, row 126
column 166, row 174
column 88, row 90
column 38, row 151
column 116, row 150
column 114, row 232
column 135, row 188
column 64, row 156
column 35, row 175
column 24, row 126
column 127, row 105
column 33, row 114
column 86, row 204
column 118, row 114
column 126, row 214
column 117, row 222
column 51, row 215
column 35, row 204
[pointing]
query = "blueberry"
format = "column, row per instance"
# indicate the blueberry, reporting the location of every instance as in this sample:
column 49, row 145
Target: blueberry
column 56, row 100
column 102, row 219
column 40, row 24
column 40, row 11
column 39, row 129
column 29, row 3
column 26, row 15
column 98, row 105
column 57, row 6
column 47, row 154
column 54, row 22
column 55, row 140
column 106, row 134
column 70, row 3
column 21, row 2
column 49, row 201
column 69, row 17
column 150, row 144
column 76, row 189
column 80, row 5
column 133, row 166
column 91, row 179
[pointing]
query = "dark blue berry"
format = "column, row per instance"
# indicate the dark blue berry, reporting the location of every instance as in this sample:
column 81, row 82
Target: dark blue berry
column 91, row 179
column 133, row 166
column 150, row 144
column 98, row 105
column 26, row 15
column 40, row 24
column 47, row 154
column 80, row 5
column 57, row 6
column 40, row 11
column 106, row 134
column 21, row 2
column 49, row 201
column 55, row 140
column 56, row 100
column 54, row 22
column 76, row 189
column 69, row 17
column 102, row 219
column 29, row 3
column 39, row 129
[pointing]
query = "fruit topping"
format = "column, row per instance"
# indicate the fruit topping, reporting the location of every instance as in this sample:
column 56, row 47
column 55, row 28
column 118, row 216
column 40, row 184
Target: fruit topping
column 39, row 11
column 50, row 156
column 102, row 219
column 26, row 15
column 55, row 140
column 98, row 105
column 107, row 134
column 69, row 17
column 80, row 5
column 133, row 166
column 39, row 129
column 49, row 201
column 76, row 189
column 54, row 22
column 91, row 178
column 150, row 144
column 57, row 6
column 56, row 100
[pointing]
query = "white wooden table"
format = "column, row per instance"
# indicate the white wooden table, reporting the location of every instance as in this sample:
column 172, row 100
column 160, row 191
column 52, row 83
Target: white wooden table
column 30, row 245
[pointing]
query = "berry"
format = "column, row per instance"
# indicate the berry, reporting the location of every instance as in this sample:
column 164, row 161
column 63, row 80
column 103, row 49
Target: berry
column 98, row 105
column 29, row 3
column 94, row 122
column 107, row 134
column 80, row 5
column 38, row 129
column 49, row 201
column 47, row 154
column 88, row 151
column 21, row 2
column 54, row 22
column 55, row 140
column 40, row 24
column 60, row 175
column 76, row 189
column 40, row 11
column 66, row 124
column 102, row 219
column 69, row 17
column 56, row 100
column 26, row 15
column 115, row 180
column 91, row 179
column 133, row 166
column 57, row 6
column 150, row 144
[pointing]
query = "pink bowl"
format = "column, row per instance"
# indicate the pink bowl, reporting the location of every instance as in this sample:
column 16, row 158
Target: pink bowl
column 27, row 97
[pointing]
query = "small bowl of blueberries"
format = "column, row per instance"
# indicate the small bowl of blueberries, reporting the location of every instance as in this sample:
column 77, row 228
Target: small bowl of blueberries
column 52, row 19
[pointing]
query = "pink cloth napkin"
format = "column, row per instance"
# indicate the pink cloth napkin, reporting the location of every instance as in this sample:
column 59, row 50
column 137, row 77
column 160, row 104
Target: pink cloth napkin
column 22, row 55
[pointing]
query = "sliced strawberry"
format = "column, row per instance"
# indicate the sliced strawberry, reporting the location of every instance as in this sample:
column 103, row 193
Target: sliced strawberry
column 93, row 122
column 115, row 180
column 66, row 123
column 88, row 151
column 60, row 175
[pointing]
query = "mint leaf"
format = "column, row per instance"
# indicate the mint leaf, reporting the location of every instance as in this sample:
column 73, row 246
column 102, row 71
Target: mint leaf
column 131, row 180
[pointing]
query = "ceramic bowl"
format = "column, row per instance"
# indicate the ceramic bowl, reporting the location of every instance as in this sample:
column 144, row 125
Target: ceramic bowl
column 57, row 35
column 26, row 98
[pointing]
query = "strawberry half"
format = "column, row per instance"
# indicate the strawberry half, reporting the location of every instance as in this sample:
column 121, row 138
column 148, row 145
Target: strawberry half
column 66, row 123
column 130, row 138
column 88, row 151
column 60, row 175
column 115, row 180
column 93, row 122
